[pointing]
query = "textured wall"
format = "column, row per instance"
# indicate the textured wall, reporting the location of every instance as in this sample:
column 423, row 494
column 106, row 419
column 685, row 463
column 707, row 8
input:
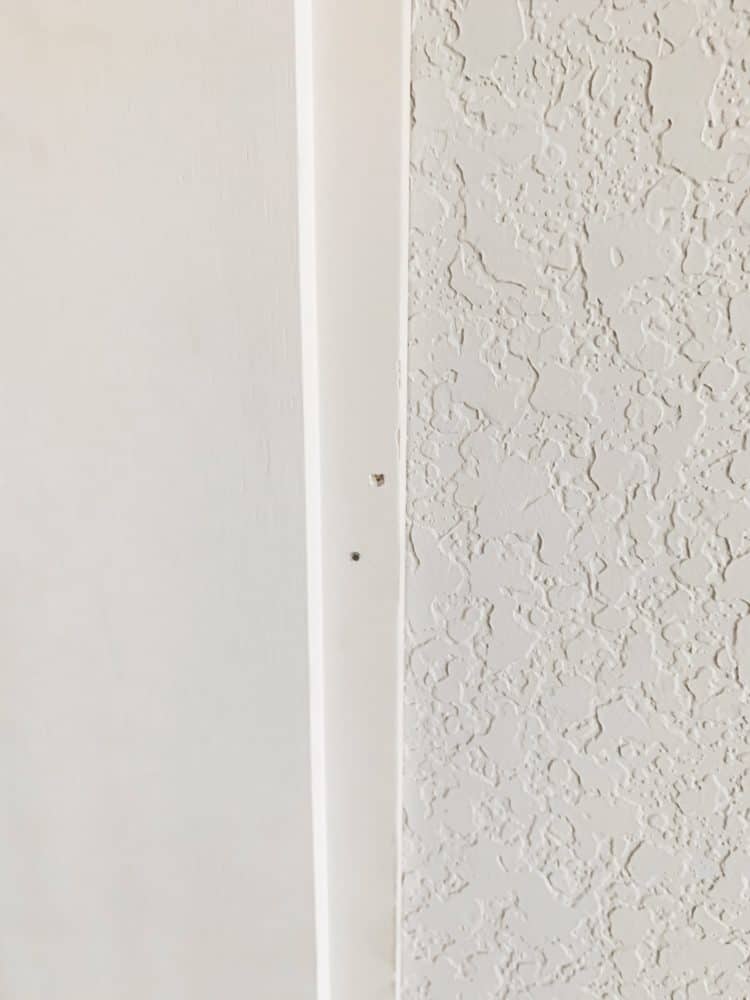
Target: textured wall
column 577, row 740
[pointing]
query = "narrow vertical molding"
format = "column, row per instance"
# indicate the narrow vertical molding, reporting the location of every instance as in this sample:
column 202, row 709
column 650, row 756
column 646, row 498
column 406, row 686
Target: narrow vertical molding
column 311, row 397
column 360, row 116
column 403, row 375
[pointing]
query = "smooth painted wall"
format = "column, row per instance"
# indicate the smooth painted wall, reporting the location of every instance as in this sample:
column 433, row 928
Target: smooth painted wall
column 154, row 766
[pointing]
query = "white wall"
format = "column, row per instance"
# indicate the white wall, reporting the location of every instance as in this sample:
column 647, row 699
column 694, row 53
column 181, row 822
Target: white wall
column 578, row 675
column 154, row 776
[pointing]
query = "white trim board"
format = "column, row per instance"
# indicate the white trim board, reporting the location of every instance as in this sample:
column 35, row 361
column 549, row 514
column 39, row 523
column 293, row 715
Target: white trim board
column 357, row 180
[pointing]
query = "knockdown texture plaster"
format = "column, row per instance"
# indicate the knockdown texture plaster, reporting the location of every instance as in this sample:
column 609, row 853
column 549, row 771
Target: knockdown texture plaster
column 577, row 760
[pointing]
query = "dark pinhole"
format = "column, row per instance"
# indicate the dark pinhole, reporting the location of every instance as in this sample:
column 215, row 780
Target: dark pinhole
column 354, row 556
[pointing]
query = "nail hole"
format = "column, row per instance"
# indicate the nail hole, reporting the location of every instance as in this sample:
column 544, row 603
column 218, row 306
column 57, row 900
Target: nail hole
column 354, row 556
column 377, row 479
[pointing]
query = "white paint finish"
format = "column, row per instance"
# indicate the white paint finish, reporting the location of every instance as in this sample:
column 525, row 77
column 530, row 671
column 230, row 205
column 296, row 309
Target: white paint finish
column 360, row 134
column 311, row 392
column 576, row 788
column 155, row 837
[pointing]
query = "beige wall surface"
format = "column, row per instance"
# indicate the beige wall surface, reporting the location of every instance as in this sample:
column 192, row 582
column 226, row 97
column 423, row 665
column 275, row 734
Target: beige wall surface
column 154, row 765
column 578, row 665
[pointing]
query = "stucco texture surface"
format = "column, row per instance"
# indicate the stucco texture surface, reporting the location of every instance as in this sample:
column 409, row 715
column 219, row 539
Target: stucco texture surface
column 577, row 691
